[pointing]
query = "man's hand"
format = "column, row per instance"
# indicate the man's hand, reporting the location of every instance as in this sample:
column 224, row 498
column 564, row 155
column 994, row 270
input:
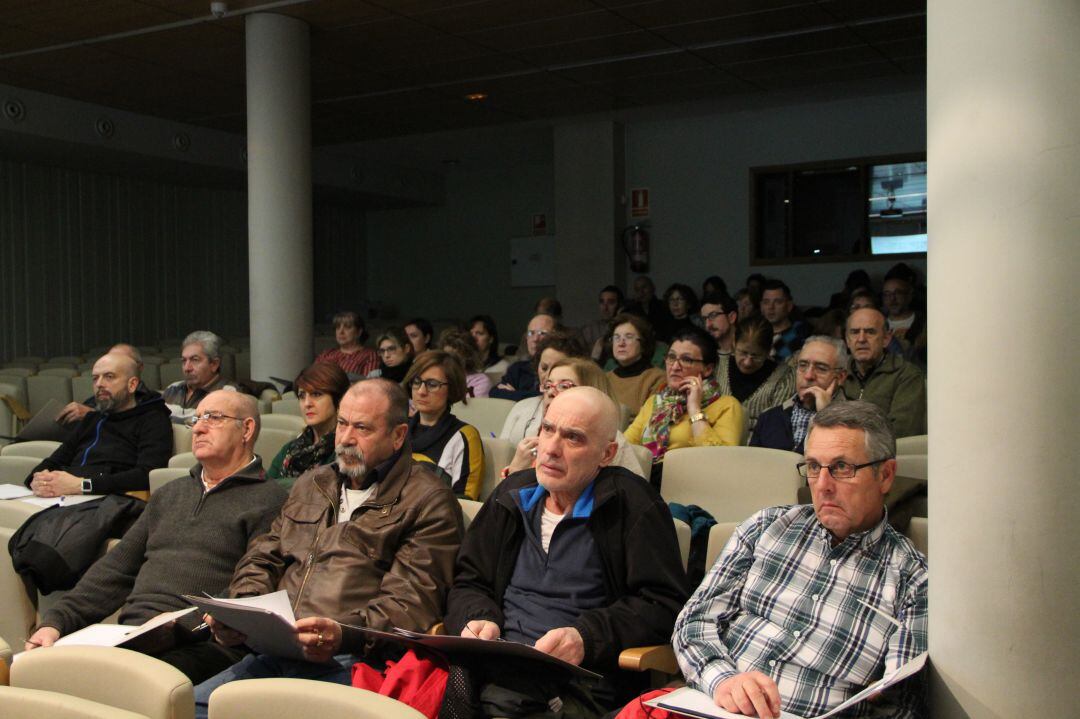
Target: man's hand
column 481, row 629
column 73, row 412
column 751, row 693
column 55, row 483
column 563, row 643
column 817, row 399
column 223, row 635
column 44, row 637
column 320, row 637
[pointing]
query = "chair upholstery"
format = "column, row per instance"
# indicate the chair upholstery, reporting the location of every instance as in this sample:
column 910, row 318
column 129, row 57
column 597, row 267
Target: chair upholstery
column 16, row 610
column 719, row 534
column 41, row 449
column 170, row 372
column 58, row 369
column 151, row 375
column 184, row 460
column 270, row 442
column 73, row 360
column 684, row 535
column 918, row 533
column 5, row 662
column 644, row 456
column 19, row 703
column 8, row 425
column 916, row 444
column 14, row 469
column 162, row 476
column 43, row 387
column 13, row 512
column 289, row 422
column 14, row 386
column 288, row 405
column 487, row 414
column 119, row 677
column 181, row 439
column 912, row 466
column 497, row 454
column 290, row 698
column 469, row 508
column 731, row 483
column 18, row 369
column 82, row 387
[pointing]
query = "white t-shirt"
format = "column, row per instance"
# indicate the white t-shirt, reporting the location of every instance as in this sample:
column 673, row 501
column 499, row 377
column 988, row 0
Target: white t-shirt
column 353, row 498
column 548, row 521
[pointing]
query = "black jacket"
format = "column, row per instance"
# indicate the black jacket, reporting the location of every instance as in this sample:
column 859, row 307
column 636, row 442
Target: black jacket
column 773, row 429
column 117, row 451
column 522, row 375
column 643, row 574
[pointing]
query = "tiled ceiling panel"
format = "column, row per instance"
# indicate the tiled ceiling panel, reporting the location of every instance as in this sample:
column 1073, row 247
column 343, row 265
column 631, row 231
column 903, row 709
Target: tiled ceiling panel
column 394, row 67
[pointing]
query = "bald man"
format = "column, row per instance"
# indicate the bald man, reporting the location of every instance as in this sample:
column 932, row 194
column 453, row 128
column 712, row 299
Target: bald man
column 113, row 448
column 576, row 557
column 74, row 411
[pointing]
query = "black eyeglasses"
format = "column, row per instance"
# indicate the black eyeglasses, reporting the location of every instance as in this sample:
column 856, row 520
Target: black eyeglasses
column 431, row 384
column 684, row 360
column 837, row 470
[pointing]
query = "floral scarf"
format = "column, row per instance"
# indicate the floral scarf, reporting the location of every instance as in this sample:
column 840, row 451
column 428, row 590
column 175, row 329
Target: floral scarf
column 303, row 453
column 668, row 409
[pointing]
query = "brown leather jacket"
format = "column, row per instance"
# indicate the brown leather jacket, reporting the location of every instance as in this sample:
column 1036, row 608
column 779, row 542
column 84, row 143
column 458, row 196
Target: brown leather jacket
column 390, row 565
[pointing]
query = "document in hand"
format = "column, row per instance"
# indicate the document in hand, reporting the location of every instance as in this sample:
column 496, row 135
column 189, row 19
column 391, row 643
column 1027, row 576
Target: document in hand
column 692, row 703
column 118, row 635
column 494, row 648
column 267, row 620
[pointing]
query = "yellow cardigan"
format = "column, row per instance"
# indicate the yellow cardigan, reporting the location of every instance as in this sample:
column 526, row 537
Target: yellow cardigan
column 726, row 418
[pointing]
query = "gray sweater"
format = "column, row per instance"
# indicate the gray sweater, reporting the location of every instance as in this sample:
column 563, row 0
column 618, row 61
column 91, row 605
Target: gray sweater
column 187, row 541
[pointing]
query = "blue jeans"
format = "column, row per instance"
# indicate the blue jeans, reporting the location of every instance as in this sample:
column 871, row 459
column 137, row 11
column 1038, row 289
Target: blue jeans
column 262, row 666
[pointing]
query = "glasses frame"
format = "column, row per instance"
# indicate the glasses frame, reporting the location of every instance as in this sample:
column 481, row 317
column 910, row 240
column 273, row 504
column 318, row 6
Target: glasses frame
column 804, row 470
column 212, row 419
column 683, row 360
column 417, row 383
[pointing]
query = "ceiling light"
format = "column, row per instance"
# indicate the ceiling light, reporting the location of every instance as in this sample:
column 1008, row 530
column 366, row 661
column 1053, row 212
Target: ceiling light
column 476, row 96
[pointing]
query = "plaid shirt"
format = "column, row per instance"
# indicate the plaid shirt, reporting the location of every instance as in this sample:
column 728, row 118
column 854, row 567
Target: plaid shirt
column 781, row 600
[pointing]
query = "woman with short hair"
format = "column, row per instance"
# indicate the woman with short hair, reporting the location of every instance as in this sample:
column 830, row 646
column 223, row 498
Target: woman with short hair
column 420, row 334
column 463, row 346
column 435, row 382
column 350, row 355
column 395, row 355
column 750, row 375
column 319, row 388
column 634, row 378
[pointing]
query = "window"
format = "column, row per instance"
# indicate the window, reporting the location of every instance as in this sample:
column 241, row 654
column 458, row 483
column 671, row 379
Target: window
column 844, row 210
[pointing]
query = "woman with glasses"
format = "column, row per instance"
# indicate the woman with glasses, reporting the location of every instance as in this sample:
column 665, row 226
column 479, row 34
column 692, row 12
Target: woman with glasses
column 524, row 418
column 749, row 375
column 691, row 411
column 463, row 346
column 319, row 388
column 634, row 378
column 436, row 380
column 350, row 355
column 395, row 355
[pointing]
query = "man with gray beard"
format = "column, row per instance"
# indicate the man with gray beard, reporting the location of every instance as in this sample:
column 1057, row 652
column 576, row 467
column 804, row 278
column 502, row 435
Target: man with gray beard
column 368, row 541
column 113, row 448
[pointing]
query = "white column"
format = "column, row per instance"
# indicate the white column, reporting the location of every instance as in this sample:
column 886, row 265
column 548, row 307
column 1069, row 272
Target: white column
column 279, row 194
column 1004, row 179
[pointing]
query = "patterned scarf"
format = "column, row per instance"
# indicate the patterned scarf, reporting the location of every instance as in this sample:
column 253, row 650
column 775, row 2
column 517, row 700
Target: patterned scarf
column 303, row 453
column 668, row 408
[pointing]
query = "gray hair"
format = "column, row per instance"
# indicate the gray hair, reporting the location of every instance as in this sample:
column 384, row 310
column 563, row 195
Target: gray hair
column 394, row 393
column 857, row 414
column 210, row 343
column 842, row 359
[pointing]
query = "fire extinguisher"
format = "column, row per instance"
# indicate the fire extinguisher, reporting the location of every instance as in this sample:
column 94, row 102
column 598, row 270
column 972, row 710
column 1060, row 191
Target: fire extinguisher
column 636, row 247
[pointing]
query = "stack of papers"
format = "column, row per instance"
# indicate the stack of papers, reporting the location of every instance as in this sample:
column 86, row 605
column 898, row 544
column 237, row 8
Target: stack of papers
column 115, row 635
column 14, row 491
column 267, row 620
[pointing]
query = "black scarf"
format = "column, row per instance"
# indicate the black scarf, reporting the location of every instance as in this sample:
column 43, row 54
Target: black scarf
column 423, row 438
column 395, row 374
column 633, row 370
column 744, row 385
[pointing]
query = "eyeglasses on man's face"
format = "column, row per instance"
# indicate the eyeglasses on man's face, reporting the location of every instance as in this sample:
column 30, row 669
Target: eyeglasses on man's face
column 841, row 470
column 432, row 385
column 212, row 419
column 537, row 333
column 819, row 367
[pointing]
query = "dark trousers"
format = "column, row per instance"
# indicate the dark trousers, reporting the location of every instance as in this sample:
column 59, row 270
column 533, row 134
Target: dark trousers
column 201, row 660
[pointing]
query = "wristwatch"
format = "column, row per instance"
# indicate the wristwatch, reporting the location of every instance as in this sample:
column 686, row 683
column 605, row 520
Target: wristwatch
column 697, row 417
column 88, row 486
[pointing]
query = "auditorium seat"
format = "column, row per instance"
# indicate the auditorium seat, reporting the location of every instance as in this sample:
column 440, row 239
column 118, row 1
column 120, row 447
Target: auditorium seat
column 719, row 534
column 498, row 453
column 270, row 442
column 170, row 372
column 16, row 610
column 289, row 698
column 38, row 448
column 148, row 349
column 58, row 369
column 288, row 405
column 487, row 414
column 14, row 469
column 151, row 376
column 18, row 370
column 916, row 444
column 644, row 456
column 13, row 385
column 82, row 387
column 185, row 460
column 918, row 533
column 29, row 359
column 181, row 435
column 289, row 422
column 19, row 703
column 160, row 477
column 13, row 512
column 73, row 360
column 469, row 508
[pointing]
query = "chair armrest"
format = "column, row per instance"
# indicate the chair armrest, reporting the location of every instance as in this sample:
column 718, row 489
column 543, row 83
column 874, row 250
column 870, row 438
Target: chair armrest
column 660, row 658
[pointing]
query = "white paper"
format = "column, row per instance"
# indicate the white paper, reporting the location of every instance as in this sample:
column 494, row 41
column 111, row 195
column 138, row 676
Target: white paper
column 115, row 635
column 267, row 621
column 65, row 500
column 691, row 702
column 14, row 491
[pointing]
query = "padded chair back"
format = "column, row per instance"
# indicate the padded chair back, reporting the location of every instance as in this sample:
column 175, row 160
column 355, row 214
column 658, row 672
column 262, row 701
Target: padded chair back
column 918, row 533
column 14, row 469
column 497, row 454
column 41, row 388
column 731, row 483
column 151, row 375
column 289, row 422
column 181, row 439
column 13, row 386
column 170, row 372
column 155, row 359
column 625, row 418
column 162, row 476
column 40, row 448
column 469, row 508
column 289, row 698
column 228, row 364
column 18, row 369
column 916, row 444
column 58, row 369
column 149, row 349
column 682, row 533
column 487, row 414
column 242, row 365
column 644, row 457
column 184, row 460
column 13, row 512
column 17, row 617
column 270, row 442
column 288, row 405
column 912, row 466
column 21, row 703
column 719, row 534
column 82, row 388
column 118, row 677
column 72, row 360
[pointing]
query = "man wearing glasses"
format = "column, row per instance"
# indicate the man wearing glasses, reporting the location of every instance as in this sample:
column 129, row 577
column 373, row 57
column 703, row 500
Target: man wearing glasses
column 819, row 380
column 808, row 604
column 719, row 313
column 521, row 381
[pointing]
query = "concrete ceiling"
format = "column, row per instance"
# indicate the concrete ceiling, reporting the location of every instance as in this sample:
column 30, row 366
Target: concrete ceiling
column 386, row 68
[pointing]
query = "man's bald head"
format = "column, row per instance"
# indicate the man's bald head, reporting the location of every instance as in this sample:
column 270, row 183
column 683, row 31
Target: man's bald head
column 115, row 377
column 577, row 439
column 131, row 351
column 598, row 407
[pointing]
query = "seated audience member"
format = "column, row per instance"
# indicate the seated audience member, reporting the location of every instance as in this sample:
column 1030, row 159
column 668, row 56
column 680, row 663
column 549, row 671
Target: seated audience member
column 610, row 302
column 74, row 411
column 524, row 417
column 437, row 381
column 714, row 285
column 463, row 346
column 382, row 555
column 319, row 388
column 908, row 326
column 112, row 449
column 830, row 323
column 802, row 640
column 719, row 313
column 856, row 280
column 776, row 307
column 575, row 557
column 563, row 375
column 647, row 305
column 351, row 355
column 420, row 333
column 483, row 330
column 201, row 355
column 690, row 411
column 819, row 381
column 750, row 375
column 747, row 303
column 187, row 541
column 861, row 299
column 634, row 378
column 888, row 380
column 756, row 284
column 395, row 355
column 520, row 380
column 682, row 305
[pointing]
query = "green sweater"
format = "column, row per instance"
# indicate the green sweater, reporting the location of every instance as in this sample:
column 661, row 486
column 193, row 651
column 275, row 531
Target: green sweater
column 898, row 387
column 186, row 541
